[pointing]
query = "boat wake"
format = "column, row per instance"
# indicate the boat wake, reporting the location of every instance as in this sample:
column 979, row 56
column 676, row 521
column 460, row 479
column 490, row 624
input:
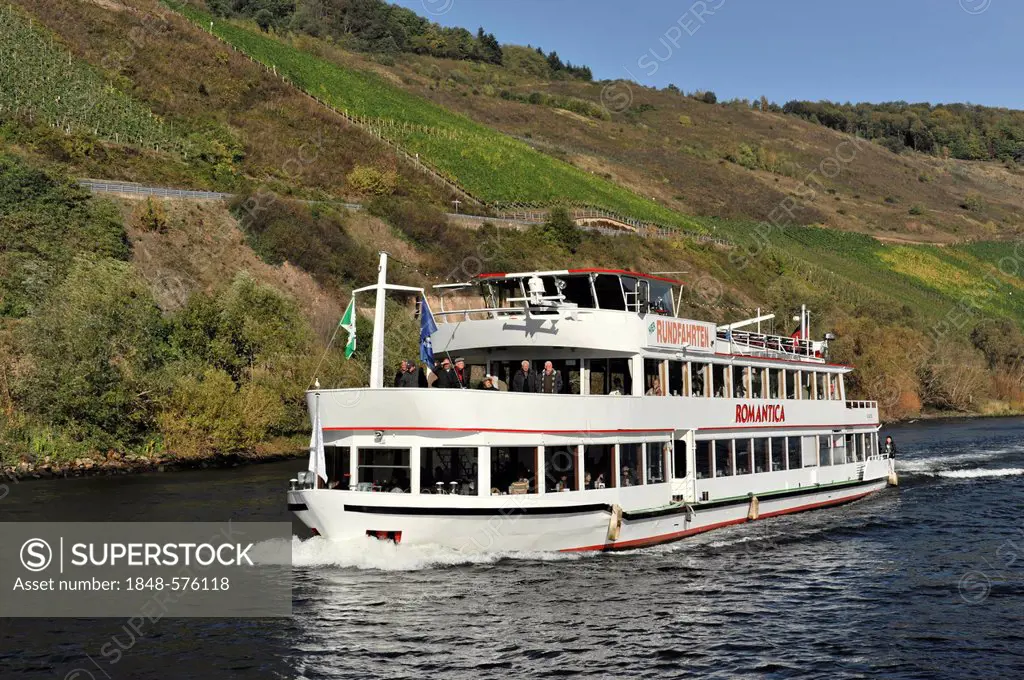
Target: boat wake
column 978, row 472
column 370, row 553
column 964, row 465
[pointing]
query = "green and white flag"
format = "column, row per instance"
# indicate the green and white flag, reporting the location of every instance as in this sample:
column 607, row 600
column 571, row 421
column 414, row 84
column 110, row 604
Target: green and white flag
column 348, row 322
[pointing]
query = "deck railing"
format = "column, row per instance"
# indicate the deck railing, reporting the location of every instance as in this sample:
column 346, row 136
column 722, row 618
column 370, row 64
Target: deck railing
column 770, row 343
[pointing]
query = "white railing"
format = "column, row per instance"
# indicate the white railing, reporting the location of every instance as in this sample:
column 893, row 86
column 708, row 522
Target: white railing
column 769, row 343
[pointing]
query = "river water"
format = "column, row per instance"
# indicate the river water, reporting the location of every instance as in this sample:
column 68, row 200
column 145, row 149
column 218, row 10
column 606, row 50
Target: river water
column 924, row 581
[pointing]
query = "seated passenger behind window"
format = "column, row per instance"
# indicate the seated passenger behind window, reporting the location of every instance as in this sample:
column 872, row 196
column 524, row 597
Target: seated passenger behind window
column 563, row 484
column 588, row 483
column 655, row 390
column 599, row 484
column 616, row 387
column 627, row 476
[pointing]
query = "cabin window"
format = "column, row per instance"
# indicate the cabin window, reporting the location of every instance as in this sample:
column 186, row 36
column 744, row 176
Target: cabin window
column 859, row 446
column 657, row 457
column 679, row 452
column 514, row 469
column 661, row 298
column 560, row 465
column 760, row 455
column 698, row 379
column 790, row 377
column 740, row 382
column 631, row 464
column 609, row 292
column 577, row 291
column 809, row 450
column 598, row 461
column 756, row 382
column 840, row 448
column 824, row 449
column 723, row 458
column 778, row 453
column 793, row 453
column 610, row 375
column 338, row 459
column 449, row 470
column 384, row 469
column 743, row 456
column 719, row 381
column 630, row 290
column 774, row 377
column 676, row 375
column 821, row 381
column 652, row 373
column 806, row 384
column 833, row 385
column 703, row 462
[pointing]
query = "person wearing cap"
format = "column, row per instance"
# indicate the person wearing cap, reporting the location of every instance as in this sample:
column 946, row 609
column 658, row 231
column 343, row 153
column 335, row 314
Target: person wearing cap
column 461, row 374
column 410, row 375
column 446, row 377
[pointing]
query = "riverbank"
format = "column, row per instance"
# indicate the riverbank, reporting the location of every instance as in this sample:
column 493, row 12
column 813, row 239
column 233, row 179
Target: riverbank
column 114, row 463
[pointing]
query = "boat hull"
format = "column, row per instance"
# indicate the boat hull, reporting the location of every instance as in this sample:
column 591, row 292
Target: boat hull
column 553, row 523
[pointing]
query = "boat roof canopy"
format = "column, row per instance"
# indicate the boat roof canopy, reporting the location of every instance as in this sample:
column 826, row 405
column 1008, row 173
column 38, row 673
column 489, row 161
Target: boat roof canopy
column 571, row 272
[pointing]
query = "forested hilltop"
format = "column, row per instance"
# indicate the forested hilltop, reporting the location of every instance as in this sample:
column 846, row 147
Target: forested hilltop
column 964, row 131
column 137, row 331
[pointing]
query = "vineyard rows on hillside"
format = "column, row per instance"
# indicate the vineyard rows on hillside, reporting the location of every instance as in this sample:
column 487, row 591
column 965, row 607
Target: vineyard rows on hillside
column 40, row 79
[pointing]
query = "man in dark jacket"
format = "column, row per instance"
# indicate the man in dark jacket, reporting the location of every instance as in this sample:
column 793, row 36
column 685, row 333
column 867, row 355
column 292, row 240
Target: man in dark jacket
column 446, row 377
column 402, row 370
column 525, row 379
column 411, row 376
column 550, row 380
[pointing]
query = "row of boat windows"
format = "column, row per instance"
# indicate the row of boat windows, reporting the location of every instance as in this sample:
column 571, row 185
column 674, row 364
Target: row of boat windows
column 684, row 378
column 729, row 457
column 744, row 382
column 512, row 469
column 529, row 470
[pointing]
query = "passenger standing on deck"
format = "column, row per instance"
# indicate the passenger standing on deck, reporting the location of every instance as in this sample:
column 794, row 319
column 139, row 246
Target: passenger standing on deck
column 889, row 449
column 550, row 380
column 461, row 376
column 446, row 376
column 401, row 373
column 411, row 376
column 525, row 379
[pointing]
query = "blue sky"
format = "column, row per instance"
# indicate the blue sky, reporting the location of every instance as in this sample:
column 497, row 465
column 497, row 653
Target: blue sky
column 842, row 50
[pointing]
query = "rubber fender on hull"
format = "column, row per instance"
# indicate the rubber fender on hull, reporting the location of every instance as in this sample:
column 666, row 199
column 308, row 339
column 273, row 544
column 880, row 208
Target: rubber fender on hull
column 755, row 508
column 615, row 523
column 893, row 479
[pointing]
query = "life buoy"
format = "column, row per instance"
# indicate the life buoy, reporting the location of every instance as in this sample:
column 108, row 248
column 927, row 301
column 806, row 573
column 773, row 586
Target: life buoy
column 615, row 523
column 755, row 508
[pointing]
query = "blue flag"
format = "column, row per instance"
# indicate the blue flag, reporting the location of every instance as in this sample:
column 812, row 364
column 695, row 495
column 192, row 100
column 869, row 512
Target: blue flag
column 427, row 328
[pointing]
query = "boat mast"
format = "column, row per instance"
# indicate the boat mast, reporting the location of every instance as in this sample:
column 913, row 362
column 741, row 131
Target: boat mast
column 377, row 349
column 377, row 346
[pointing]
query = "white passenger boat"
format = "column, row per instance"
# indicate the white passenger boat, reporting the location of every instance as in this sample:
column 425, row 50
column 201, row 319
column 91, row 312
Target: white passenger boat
column 750, row 425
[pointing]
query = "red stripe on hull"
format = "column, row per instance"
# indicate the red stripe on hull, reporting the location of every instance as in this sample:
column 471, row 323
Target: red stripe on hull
column 675, row 536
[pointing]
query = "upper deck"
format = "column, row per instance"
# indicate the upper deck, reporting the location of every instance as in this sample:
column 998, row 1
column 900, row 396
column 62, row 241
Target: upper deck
column 596, row 312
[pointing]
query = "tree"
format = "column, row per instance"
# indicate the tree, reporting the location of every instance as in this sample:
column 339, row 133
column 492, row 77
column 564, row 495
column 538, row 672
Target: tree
column 561, row 230
column 709, row 97
column 264, row 19
column 93, row 348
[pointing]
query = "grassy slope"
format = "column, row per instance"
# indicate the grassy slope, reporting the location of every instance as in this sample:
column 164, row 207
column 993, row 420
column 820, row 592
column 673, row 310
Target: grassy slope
column 673, row 148
column 489, row 165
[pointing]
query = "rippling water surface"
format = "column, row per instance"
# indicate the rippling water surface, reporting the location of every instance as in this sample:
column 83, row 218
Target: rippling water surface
column 926, row 581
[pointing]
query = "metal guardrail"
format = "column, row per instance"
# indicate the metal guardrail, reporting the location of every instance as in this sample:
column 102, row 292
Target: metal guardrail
column 102, row 187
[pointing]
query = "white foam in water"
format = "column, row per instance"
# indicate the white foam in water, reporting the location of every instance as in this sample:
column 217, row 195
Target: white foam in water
column 978, row 472
column 931, row 465
column 370, row 553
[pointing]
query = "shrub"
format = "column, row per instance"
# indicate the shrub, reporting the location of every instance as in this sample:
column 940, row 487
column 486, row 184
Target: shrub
column 972, row 202
column 371, row 181
column 916, row 209
column 561, row 231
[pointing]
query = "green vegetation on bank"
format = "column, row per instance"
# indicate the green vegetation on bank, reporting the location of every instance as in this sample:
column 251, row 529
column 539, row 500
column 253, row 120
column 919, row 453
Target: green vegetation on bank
column 489, row 165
